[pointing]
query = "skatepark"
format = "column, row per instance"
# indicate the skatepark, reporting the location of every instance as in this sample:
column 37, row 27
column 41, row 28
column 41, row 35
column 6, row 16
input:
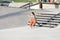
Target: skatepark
column 14, row 23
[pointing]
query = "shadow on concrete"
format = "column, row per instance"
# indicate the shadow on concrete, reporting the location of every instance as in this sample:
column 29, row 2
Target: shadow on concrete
column 14, row 14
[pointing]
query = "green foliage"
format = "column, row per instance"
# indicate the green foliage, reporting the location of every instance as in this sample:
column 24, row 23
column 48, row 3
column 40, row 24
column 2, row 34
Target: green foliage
column 58, row 0
column 24, row 0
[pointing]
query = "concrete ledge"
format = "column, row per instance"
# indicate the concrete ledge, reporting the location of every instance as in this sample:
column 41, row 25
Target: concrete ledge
column 47, row 6
column 16, row 4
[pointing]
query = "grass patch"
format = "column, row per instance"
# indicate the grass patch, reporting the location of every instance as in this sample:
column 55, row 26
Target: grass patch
column 24, row 0
column 58, row 0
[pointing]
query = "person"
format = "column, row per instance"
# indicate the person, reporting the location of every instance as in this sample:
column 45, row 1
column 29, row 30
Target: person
column 32, row 21
column 40, row 5
column 52, row 1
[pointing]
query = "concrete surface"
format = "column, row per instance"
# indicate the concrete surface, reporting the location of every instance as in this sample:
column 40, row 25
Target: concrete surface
column 13, row 25
column 12, row 17
column 16, row 17
column 26, row 33
column 14, row 4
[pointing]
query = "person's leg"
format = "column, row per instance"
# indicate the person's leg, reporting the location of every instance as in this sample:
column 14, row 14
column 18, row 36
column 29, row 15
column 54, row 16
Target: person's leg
column 31, row 23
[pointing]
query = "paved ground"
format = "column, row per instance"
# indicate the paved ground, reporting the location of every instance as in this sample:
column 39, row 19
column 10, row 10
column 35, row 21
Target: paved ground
column 26, row 33
column 13, row 26
column 14, row 17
